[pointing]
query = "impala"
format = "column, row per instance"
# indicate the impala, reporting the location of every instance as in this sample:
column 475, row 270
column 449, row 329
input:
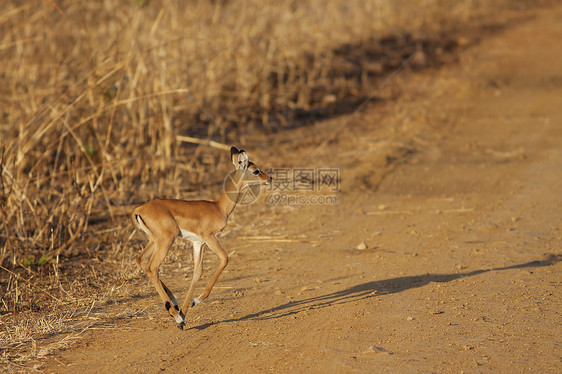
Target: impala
column 199, row 221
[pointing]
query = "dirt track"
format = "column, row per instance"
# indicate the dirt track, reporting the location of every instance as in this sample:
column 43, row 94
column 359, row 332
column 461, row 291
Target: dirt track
column 455, row 188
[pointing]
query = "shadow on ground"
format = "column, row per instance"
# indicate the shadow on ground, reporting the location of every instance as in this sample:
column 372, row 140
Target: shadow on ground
column 373, row 289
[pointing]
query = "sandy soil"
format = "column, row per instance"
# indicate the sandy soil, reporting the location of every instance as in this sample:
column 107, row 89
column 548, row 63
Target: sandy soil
column 454, row 186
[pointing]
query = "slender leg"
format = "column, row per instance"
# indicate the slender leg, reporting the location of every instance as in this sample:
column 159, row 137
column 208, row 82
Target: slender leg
column 170, row 295
column 163, row 244
column 148, row 248
column 197, row 271
column 215, row 246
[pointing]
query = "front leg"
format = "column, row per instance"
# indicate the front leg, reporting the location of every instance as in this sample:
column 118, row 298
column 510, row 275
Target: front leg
column 197, row 271
column 215, row 246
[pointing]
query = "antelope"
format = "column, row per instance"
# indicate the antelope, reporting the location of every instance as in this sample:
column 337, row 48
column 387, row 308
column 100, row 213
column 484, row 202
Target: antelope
column 199, row 221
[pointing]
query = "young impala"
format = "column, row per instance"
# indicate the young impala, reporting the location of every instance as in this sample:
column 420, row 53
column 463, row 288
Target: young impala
column 162, row 220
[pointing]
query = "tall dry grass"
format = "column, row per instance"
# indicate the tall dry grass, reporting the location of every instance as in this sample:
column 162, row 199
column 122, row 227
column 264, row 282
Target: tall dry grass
column 93, row 98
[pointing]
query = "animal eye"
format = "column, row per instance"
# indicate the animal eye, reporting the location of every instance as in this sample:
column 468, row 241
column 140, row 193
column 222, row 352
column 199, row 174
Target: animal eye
column 256, row 172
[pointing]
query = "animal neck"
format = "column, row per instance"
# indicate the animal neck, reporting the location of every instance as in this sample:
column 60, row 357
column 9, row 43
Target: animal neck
column 232, row 193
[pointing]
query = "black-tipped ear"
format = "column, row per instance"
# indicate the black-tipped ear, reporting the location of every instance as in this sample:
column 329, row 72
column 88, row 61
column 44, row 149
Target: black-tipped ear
column 239, row 158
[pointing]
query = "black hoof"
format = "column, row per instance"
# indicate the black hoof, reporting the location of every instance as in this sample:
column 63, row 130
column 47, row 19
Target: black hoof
column 181, row 325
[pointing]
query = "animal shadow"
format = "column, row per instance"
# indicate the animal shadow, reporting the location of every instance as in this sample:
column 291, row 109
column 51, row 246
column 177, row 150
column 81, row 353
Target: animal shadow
column 374, row 289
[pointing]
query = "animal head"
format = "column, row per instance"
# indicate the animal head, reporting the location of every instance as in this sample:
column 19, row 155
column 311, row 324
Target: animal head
column 242, row 162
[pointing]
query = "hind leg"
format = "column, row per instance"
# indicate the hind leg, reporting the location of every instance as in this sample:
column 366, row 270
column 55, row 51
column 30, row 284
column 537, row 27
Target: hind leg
column 162, row 245
column 146, row 249
column 170, row 295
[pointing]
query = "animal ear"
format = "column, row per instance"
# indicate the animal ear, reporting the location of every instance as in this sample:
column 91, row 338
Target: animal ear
column 243, row 160
column 234, row 155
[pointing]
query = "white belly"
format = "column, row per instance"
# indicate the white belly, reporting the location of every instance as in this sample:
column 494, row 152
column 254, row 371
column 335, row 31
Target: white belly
column 190, row 236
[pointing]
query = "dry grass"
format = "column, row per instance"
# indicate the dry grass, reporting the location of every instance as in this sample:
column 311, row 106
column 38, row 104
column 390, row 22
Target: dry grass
column 94, row 97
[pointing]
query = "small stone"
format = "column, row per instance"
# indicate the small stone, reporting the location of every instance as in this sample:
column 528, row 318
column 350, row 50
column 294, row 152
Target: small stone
column 361, row 246
column 375, row 349
column 435, row 311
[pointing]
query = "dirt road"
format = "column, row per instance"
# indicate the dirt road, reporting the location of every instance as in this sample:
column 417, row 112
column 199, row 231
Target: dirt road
column 455, row 188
